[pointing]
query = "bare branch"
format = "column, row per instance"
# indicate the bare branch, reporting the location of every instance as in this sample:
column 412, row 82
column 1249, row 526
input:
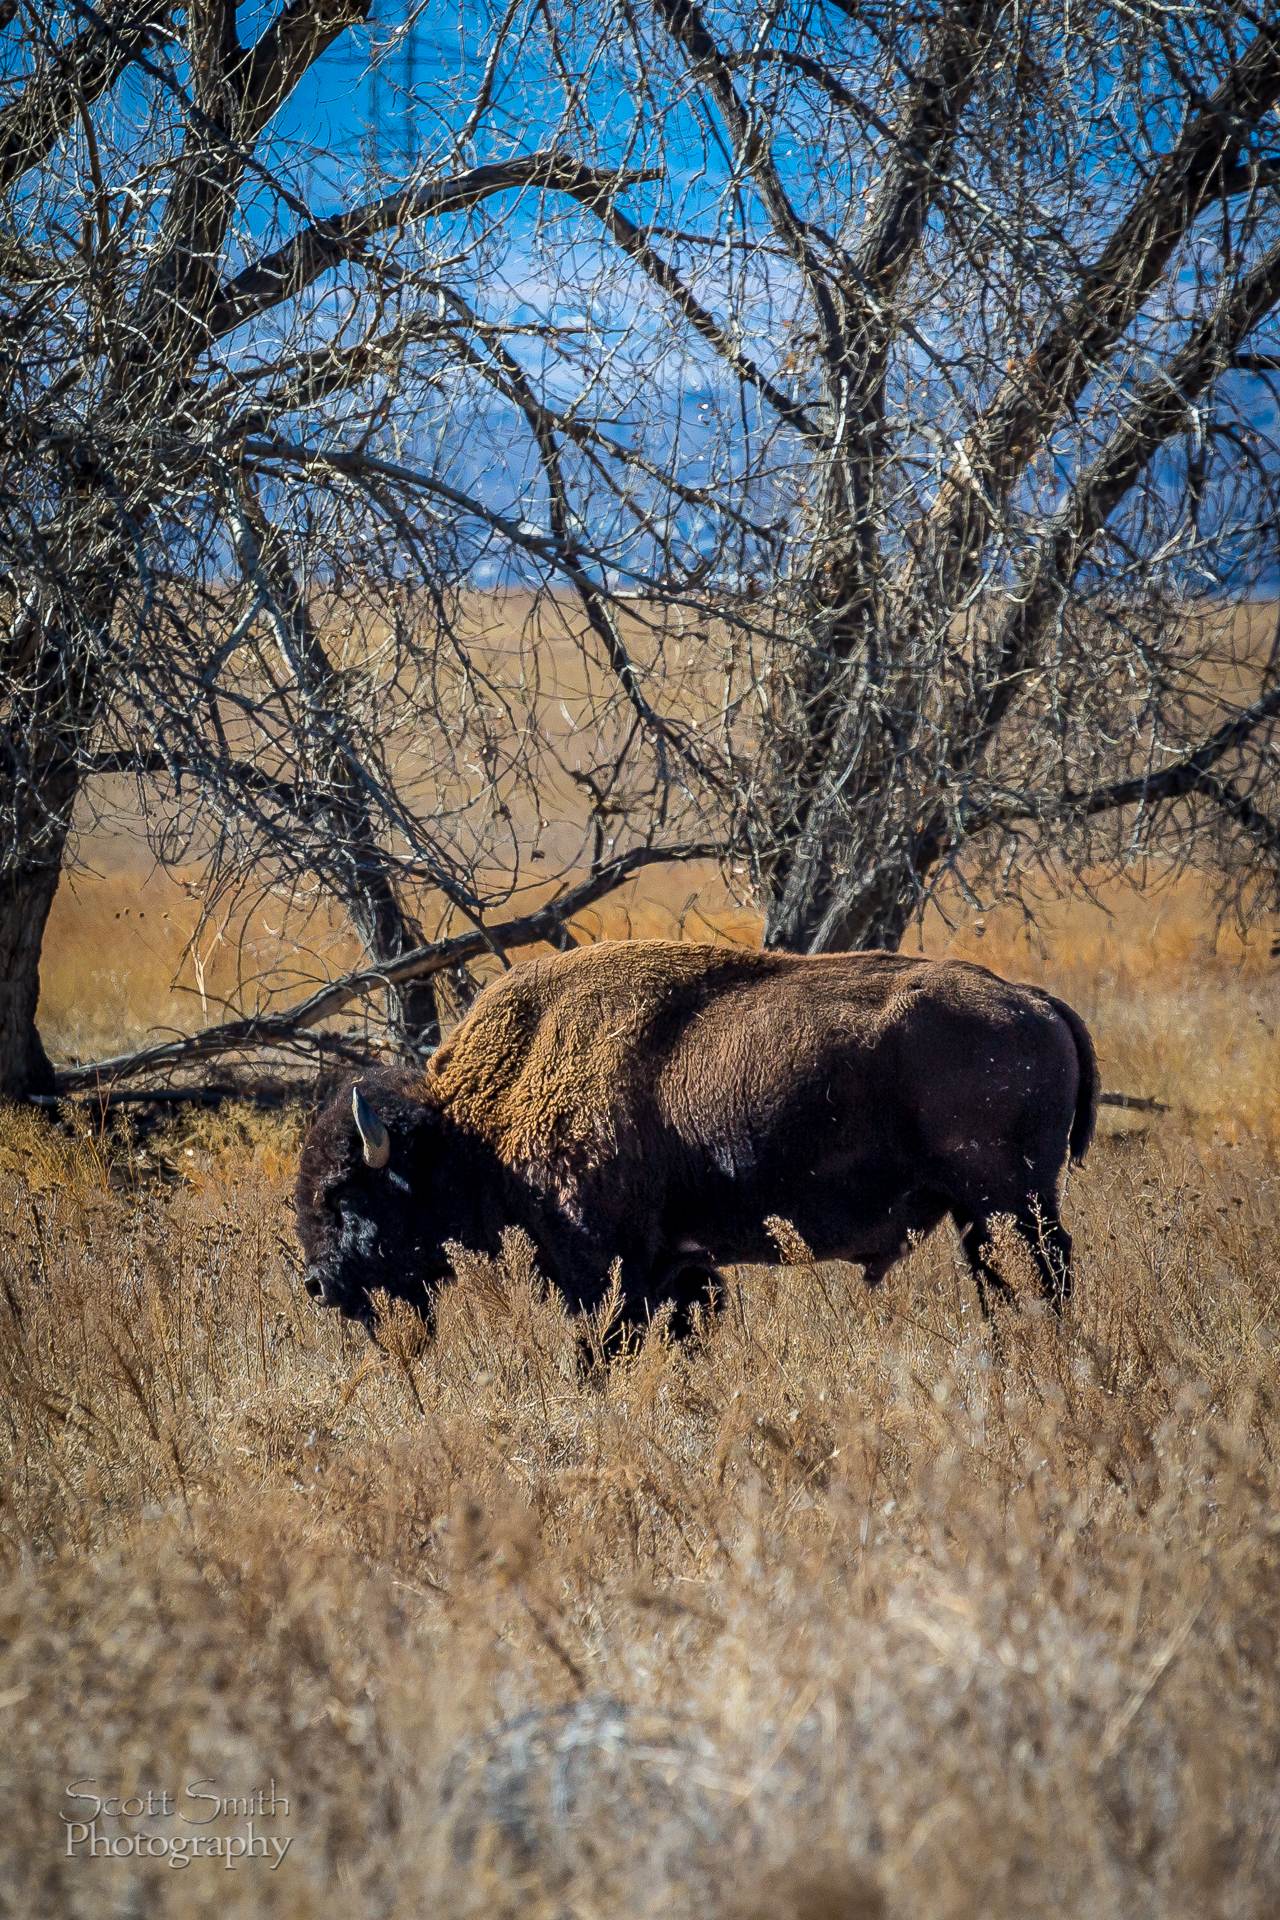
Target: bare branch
column 77, row 75
column 631, row 239
column 1039, row 390
column 140, row 763
column 287, row 49
column 687, row 26
column 291, row 268
column 923, row 142
column 1194, row 773
column 1158, row 410
column 267, row 1030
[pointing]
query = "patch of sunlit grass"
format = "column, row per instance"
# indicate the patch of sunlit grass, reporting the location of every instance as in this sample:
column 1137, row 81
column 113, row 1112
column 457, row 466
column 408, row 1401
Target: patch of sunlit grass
column 839, row 1601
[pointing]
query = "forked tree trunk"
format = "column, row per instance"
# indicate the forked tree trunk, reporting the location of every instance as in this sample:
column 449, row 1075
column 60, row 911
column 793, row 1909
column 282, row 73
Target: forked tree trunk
column 831, row 913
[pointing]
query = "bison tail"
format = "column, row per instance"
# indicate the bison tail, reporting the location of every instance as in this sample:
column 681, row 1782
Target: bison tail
column 1086, row 1113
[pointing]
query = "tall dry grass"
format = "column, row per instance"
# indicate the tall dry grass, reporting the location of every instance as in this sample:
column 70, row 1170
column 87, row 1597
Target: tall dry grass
column 836, row 1612
column 832, row 1612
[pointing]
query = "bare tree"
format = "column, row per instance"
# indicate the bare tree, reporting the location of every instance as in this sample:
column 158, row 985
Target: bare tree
column 991, row 290
column 887, row 390
column 241, row 501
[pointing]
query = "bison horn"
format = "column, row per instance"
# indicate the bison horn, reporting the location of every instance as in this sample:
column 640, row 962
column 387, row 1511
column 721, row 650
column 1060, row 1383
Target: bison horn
column 374, row 1138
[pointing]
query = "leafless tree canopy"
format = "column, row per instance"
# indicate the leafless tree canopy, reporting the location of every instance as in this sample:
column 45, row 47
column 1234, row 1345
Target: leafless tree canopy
column 247, row 475
column 885, row 392
column 980, row 299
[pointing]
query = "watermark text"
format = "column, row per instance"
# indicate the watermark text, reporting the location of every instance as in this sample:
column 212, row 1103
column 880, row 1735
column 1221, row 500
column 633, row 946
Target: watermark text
column 198, row 1821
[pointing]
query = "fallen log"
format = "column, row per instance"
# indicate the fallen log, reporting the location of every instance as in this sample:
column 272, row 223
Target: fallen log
column 209, row 1096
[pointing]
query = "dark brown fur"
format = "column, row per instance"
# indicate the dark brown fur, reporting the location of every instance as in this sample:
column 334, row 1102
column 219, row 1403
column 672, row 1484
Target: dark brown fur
column 657, row 1103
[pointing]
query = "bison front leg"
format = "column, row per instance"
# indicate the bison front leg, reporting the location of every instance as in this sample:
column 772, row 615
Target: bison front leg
column 686, row 1279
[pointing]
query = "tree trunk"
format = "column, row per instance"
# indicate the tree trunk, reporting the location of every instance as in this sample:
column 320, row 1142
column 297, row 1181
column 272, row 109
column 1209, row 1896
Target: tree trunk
column 27, row 888
column 832, row 913
column 846, row 848
column 41, row 738
column 388, row 930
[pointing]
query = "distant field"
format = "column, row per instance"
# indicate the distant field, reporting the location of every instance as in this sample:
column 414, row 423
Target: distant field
column 133, row 945
column 1183, row 1009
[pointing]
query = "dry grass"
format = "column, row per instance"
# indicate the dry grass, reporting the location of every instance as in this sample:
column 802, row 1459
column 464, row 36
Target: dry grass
column 834, row 1613
column 823, row 1615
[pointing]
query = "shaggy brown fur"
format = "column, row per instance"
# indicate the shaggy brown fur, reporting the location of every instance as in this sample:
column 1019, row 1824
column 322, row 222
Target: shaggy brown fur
column 657, row 1103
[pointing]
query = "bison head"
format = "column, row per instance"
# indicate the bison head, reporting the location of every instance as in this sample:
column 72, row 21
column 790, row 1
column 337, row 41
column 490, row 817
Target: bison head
column 378, row 1196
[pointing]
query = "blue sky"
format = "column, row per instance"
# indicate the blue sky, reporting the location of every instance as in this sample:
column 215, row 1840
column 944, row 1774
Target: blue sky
column 426, row 81
column 438, row 63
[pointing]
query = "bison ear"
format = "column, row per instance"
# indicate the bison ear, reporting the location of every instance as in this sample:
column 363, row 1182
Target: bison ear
column 375, row 1141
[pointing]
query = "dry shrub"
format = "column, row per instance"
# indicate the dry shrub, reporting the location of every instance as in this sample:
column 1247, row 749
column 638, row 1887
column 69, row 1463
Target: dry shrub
column 826, row 1613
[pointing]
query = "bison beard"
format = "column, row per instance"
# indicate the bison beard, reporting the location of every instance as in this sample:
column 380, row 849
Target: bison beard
column 656, row 1104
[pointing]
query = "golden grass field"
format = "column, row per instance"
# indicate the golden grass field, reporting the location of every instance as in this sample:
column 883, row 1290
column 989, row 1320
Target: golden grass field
column 836, row 1611
column 844, row 1609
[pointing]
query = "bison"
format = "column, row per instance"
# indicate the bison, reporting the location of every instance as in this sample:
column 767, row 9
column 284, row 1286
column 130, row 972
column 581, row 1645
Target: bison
column 658, row 1104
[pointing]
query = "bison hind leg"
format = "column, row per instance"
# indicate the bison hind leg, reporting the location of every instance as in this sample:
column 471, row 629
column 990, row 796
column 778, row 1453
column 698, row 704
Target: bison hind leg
column 1050, row 1245
column 975, row 1238
column 682, row 1280
column 874, row 1271
column 1047, row 1241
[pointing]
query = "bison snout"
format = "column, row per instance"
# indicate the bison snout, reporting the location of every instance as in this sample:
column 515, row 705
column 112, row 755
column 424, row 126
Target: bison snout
column 330, row 1292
